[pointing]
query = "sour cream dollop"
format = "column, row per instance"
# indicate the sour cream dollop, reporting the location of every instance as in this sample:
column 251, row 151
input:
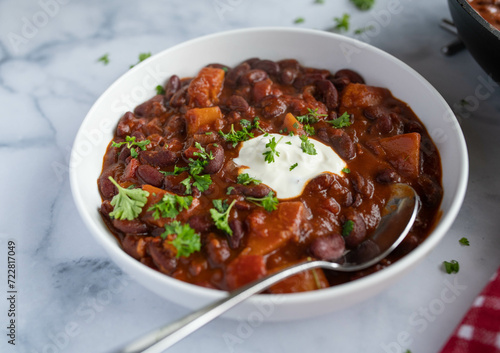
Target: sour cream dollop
column 277, row 175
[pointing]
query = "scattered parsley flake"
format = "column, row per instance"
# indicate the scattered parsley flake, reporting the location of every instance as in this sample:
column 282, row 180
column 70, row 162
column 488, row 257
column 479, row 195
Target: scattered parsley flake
column 269, row 202
column 237, row 136
column 299, row 20
column 187, row 240
column 160, row 89
column 142, row 57
column 309, row 129
column 269, row 155
column 320, row 2
column 130, row 142
column 295, row 165
column 343, row 121
column 220, row 215
column 245, row 179
column 202, row 182
column 307, row 146
column 363, row 5
column 342, row 23
column 451, row 267
column 464, row 241
column 346, row 170
column 347, row 228
column 128, row 203
column 170, row 206
column 176, row 171
column 363, row 29
column 187, row 183
column 311, row 117
column 229, row 189
column 288, row 143
column 104, row 59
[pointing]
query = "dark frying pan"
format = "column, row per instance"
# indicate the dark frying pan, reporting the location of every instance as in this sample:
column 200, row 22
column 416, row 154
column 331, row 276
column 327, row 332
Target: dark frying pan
column 478, row 35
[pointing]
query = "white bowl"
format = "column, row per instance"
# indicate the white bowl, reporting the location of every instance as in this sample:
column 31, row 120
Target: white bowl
column 311, row 48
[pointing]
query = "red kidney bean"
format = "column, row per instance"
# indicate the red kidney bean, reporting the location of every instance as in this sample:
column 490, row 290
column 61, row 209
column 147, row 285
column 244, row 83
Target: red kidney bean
column 130, row 170
column 201, row 222
column 413, row 126
column 238, row 103
column 251, row 62
column 107, row 188
column 134, row 245
column 172, row 86
column 150, row 175
column 352, row 76
column 340, row 82
column 237, row 227
column 257, row 191
column 127, row 124
column 196, row 266
column 288, row 75
column 328, row 248
column 320, row 183
column 175, row 125
column 153, row 107
column 358, row 233
column 215, row 164
column 261, row 90
column 163, row 257
column 343, row 145
column 328, row 93
column 179, row 98
column 271, row 67
column 384, row 124
column 106, row 208
column 161, row 158
column 217, row 249
column 130, row 227
column 331, row 205
column 272, row 107
column 308, row 79
column 173, row 183
column 387, row 176
column 251, row 77
column 289, row 64
column 234, row 74
column 124, row 154
column 361, row 185
column 431, row 191
column 375, row 112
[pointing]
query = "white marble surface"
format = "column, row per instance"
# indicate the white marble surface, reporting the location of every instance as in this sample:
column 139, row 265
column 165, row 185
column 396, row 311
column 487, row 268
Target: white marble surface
column 73, row 299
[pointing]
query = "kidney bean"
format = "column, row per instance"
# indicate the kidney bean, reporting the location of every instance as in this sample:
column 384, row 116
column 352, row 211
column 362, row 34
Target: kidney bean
column 361, row 185
column 150, row 175
column 308, row 79
column 153, row 107
column 352, row 76
column 179, row 98
column 234, row 74
column 251, row 62
column 201, row 222
column 387, row 176
column 238, row 103
column 384, row 124
column 134, row 245
column 431, row 191
column 375, row 112
column 217, row 249
column 257, row 191
column 237, row 227
column 261, row 90
column 288, row 75
column 413, row 126
column 173, row 183
column 106, row 208
column 320, row 183
column 107, row 188
column 172, row 86
column 358, row 233
column 130, row 170
column 251, row 77
column 130, row 227
column 328, row 248
column 340, row 82
column 163, row 257
column 289, row 64
column 161, row 158
column 272, row 107
column 215, row 164
column 175, row 125
column 271, row 67
column 128, row 123
column 328, row 93
column 124, row 154
column 343, row 145
column 331, row 205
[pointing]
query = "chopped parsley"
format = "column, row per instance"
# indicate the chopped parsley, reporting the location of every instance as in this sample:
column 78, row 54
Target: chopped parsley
column 187, row 183
column 202, row 154
column 128, row 203
column 269, row 155
column 311, row 117
column 130, row 142
column 237, row 136
column 363, row 29
column 295, row 165
column 299, row 20
column 342, row 23
column 170, row 206
column 104, row 59
column 177, row 171
column 142, row 57
column 321, row 2
column 187, row 240
column 342, row 121
column 309, row 129
column 220, row 215
column 363, row 5
column 195, row 167
column 464, row 241
column 346, row 170
column 451, row 267
column 160, row 89
column 269, row 202
column 347, row 228
column 307, row 146
column 245, row 179
column 202, row 182
column 229, row 189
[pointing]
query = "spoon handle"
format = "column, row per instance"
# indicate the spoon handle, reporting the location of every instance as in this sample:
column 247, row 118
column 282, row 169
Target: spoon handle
column 166, row 336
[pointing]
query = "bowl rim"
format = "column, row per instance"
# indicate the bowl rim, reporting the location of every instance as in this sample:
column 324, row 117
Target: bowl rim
column 475, row 15
column 443, row 224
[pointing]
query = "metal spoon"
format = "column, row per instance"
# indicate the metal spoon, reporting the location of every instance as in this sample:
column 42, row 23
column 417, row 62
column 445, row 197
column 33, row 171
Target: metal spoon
column 397, row 219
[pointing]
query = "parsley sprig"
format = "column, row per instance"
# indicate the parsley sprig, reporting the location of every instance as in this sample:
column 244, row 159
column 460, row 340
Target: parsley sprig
column 195, row 167
column 130, row 142
column 311, row 117
column 245, row 179
column 142, row 57
column 241, row 135
column 269, row 202
column 160, row 89
column 307, row 146
column 104, row 59
column 363, row 5
column 128, row 203
column 342, row 121
column 187, row 240
column 269, row 155
column 170, row 206
column 451, row 267
column 220, row 215
column 342, row 23
column 177, row 170
column 347, row 228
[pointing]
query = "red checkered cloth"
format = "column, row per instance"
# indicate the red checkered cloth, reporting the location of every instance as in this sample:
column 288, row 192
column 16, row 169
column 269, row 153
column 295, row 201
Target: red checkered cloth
column 479, row 331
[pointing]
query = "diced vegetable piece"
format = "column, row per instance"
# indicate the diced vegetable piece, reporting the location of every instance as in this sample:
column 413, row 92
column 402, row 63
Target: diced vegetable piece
column 291, row 124
column 201, row 120
column 205, row 88
column 245, row 269
column 357, row 95
column 301, row 282
column 403, row 152
column 270, row 231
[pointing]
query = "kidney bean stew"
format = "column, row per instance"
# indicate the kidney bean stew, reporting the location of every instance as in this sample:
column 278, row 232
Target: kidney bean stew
column 178, row 203
column 489, row 10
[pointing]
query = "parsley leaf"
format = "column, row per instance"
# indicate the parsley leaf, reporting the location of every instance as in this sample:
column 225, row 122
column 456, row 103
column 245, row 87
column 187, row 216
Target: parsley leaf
column 307, row 146
column 363, row 5
column 342, row 23
column 142, row 57
column 202, row 182
column 346, row 170
column 343, row 121
column 464, row 241
column 299, row 20
column 245, row 179
column 319, row 2
column 269, row 202
column 170, row 206
column 160, row 89
column 451, row 267
column 176, row 171
column 311, row 117
column 309, row 129
column 229, row 189
column 187, row 240
column 130, row 142
column 187, row 183
column 363, row 29
column 202, row 154
column 347, row 228
column 237, row 136
column 104, row 59
column 220, row 215
column 269, row 155
column 128, row 203
column 294, row 166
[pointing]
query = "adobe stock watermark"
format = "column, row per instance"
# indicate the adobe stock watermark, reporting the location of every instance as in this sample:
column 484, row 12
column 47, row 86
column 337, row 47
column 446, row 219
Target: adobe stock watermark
column 32, row 25
column 223, row 6
column 483, row 91
column 246, row 327
column 86, row 313
column 424, row 316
